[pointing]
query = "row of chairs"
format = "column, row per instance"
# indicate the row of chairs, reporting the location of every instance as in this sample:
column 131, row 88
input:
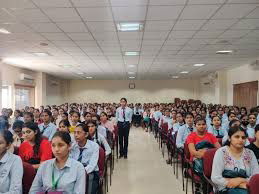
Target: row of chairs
column 103, row 163
column 181, row 157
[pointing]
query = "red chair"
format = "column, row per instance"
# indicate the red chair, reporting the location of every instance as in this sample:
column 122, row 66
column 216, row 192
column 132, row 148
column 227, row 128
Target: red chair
column 28, row 176
column 102, row 170
column 251, row 140
column 207, row 169
column 253, row 184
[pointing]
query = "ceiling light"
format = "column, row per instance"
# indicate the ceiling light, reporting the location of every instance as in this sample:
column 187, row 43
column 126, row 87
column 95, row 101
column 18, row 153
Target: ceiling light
column 80, row 73
column 131, row 53
column 129, row 27
column 4, row 31
column 41, row 54
column 185, row 72
column 198, row 64
column 131, row 66
column 132, row 77
column 175, row 77
column 224, row 52
column 131, row 72
column 89, row 77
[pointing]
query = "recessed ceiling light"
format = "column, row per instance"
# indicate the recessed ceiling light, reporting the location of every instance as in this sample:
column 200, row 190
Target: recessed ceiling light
column 66, row 66
column 89, row 77
column 131, row 77
column 184, row 72
column 131, row 53
column 129, row 27
column 40, row 54
column 80, row 73
column 198, row 64
column 175, row 77
column 131, row 72
column 131, row 66
column 17, row 61
column 4, row 31
column 224, row 52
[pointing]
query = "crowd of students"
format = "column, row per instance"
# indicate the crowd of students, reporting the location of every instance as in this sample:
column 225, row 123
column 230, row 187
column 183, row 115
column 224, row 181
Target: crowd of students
column 62, row 143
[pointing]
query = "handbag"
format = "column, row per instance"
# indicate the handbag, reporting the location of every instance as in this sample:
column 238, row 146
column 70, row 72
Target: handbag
column 234, row 191
column 234, row 173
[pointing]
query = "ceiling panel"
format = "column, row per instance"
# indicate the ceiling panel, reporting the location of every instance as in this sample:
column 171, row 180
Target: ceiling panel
column 163, row 12
column 137, row 13
column 96, row 14
column 62, row 14
column 199, row 11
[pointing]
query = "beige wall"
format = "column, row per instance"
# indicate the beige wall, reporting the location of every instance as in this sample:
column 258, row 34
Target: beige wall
column 145, row 91
column 240, row 75
column 207, row 92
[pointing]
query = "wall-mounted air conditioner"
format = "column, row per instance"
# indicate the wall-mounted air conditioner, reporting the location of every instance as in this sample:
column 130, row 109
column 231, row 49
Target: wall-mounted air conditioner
column 26, row 77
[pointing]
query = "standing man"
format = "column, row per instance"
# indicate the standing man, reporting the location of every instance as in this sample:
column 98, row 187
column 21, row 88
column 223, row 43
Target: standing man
column 124, row 118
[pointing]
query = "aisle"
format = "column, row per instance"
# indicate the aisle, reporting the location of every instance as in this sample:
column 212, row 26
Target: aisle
column 145, row 171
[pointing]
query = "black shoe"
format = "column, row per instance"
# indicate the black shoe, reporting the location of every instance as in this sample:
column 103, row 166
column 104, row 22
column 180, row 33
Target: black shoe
column 125, row 157
column 120, row 156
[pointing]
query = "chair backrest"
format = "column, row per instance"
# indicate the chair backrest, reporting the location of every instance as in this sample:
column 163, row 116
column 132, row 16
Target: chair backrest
column 251, row 140
column 28, row 175
column 187, row 154
column 101, row 161
column 208, row 161
column 164, row 127
column 253, row 184
column 220, row 141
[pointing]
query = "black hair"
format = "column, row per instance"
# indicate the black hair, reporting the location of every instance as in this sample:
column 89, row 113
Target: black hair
column 231, row 113
column 65, row 122
column 97, row 116
column 8, row 136
column 84, row 127
column 18, row 124
column 47, row 111
column 254, row 110
column 232, row 122
column 189, row 114
column 105, row 114
column 243, row 117
column 29, row 114
column 218, row 117
column 19, row 112
column 96, row 130
column 232, row 131
column 55, row 109
column 124, row 99
column 86, row 113
column 200, row 119
column 256, row 128
column 65, row 113
column 252, row 114
column 38, row 136
column 65, row 136
column 75, row 112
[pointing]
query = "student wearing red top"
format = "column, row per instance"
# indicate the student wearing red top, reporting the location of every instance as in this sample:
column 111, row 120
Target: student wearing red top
column 200, row 135
column 34, row 149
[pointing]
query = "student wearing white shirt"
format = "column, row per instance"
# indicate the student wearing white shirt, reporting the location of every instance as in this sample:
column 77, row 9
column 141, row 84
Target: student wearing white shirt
column 11, row 168
column 251, row 126
column 166, row 119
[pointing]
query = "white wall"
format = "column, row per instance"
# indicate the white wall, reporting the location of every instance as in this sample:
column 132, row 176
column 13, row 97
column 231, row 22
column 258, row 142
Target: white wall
column 145, row 91
column 207, row 92
column 240, row 75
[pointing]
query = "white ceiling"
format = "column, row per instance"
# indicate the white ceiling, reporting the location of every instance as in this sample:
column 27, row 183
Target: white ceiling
column 83, row 34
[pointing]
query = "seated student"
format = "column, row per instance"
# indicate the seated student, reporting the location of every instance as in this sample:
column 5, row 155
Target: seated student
column 28, row 117
column 34, row 149
column 166, row 119
column 251, row 126
column 216, row 128
column 179, row 122
column 87, row 152
column 11, row 168
column 64, row 116
column 244, row 121
column 17, row 133
column 146, row 119
column 61, row 174
column 4, row 125
column 185, row 130
column 233, row 164
column 231, row 116
column 173, row 115
column 157, row 116
column 97, row 137
column 212, row 114
column 87, row 117
column 75, row 118
column 199, row 137
column 64, row 126
column 47, row 129
column 105, row 122
column 17, row 116
column 36, row 115
column 101, row 129
column 255, row 145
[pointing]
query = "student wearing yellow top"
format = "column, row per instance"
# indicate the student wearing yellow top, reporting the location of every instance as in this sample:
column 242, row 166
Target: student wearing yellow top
column 75, row 117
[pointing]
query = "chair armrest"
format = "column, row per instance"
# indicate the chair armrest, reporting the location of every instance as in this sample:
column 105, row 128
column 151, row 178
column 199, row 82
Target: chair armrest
column 215, row 187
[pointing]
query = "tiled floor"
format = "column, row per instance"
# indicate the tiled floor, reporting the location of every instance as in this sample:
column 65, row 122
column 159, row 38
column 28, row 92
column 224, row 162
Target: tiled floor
column 145, row 171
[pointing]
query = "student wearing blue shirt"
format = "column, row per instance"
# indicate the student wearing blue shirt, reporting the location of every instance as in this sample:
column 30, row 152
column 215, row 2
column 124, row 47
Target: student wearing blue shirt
column 61, row 174
column 87, row 153
column 157, row 116
column 47, row 128
column 213, row 113
column 124, row 118
column 231, row 116
column 166, row 119
column 11, row 168
column 251, row 126
column 185, row 130
column 179, row 122
column 216, row 128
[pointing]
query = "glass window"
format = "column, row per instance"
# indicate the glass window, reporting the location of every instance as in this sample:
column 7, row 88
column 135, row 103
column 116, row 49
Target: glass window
column 24, row 96
column 6, row 97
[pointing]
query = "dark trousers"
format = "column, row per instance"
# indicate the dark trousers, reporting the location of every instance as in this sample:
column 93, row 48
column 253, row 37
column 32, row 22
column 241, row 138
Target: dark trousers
column 124, row 128
column 93, row 182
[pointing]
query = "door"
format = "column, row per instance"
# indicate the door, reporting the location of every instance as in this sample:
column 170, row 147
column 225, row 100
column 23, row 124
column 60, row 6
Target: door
column 245, row 94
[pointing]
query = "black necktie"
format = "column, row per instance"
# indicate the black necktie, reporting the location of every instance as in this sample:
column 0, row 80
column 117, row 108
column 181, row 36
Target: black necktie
column 124, row 117
column 80, row 154
column 191, row 129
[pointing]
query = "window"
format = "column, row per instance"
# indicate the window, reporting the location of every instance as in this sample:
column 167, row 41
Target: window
column 6, row 97
column 24, row 96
